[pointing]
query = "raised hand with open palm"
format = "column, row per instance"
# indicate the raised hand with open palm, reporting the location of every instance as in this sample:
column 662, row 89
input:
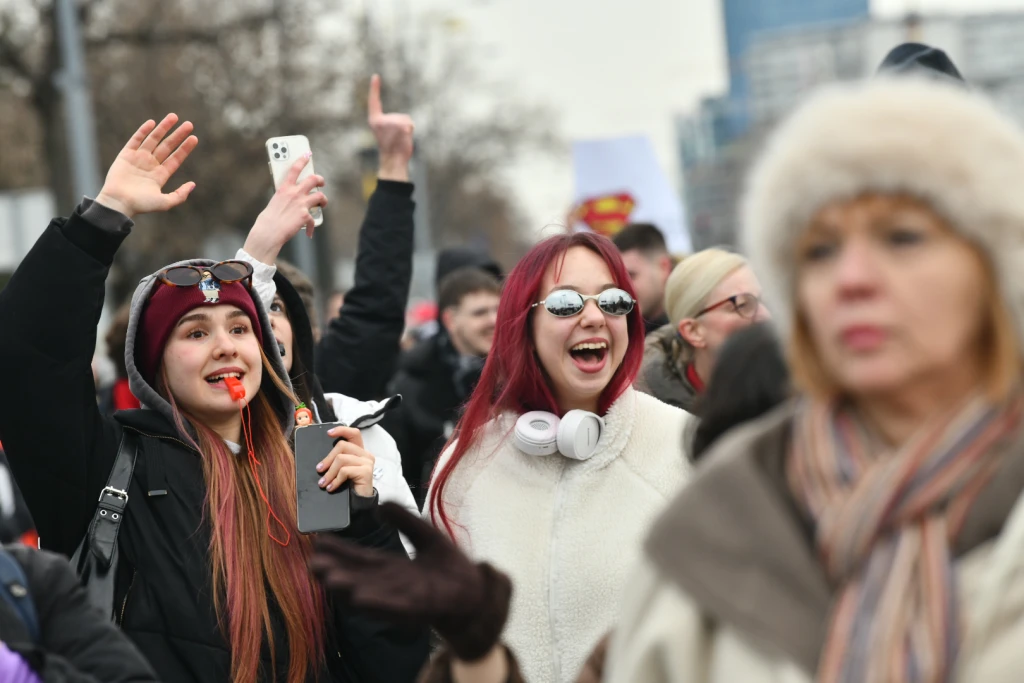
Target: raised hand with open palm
column 135, row 181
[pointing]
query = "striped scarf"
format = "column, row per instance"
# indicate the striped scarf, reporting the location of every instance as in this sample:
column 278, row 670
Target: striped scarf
column 885, row 522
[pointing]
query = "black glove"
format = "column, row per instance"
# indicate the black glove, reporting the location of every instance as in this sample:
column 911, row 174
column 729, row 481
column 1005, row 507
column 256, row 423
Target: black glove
column 466, row 603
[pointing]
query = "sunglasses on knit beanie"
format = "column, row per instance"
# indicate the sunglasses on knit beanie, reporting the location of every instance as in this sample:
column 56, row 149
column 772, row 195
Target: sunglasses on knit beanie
column 224, row 272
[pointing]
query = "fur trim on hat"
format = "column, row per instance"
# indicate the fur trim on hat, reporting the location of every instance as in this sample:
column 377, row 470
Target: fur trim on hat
column 941, row 144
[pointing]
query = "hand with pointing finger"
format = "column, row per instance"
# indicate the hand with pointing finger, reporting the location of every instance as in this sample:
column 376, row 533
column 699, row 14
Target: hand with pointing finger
column 394, row 137
column 285, row 214
column 135, row 181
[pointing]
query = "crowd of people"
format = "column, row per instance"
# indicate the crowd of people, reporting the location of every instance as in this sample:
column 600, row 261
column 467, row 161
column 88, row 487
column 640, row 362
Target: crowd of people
column 793, row 462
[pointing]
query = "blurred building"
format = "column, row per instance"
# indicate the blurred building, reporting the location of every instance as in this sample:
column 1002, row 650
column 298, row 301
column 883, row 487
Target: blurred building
column 24, row 215
column 745, row 20
column 782, row 65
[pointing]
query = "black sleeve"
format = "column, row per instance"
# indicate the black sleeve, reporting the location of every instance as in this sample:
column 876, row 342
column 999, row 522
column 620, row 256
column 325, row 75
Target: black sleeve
column 358, row 351
column 79, row 645
column 415, row 444
column 378, row 651
column 397, row 423
column 59, row 446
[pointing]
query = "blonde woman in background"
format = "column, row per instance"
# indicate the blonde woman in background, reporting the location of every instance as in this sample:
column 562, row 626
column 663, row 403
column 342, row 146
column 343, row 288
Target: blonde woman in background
column 710, row 295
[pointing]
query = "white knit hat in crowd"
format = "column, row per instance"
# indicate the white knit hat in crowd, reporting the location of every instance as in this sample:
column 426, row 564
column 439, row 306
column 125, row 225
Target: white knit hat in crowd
column 939, row 143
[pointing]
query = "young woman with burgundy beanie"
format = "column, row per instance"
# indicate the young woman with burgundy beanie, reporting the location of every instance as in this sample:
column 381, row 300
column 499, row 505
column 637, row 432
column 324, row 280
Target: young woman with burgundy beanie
column 212, row 582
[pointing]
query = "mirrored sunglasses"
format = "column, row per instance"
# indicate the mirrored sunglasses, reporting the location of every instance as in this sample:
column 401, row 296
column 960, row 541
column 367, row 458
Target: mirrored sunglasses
column 566, row 303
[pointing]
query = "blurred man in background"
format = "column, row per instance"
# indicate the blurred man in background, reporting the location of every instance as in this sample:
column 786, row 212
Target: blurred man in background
column 647, row 259
column 439, row 374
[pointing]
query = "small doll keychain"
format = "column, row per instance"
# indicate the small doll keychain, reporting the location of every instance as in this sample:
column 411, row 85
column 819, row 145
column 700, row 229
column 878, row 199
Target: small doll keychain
column 303, row 415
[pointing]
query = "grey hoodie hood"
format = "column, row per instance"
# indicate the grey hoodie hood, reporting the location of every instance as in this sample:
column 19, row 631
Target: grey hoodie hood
column 148, row 396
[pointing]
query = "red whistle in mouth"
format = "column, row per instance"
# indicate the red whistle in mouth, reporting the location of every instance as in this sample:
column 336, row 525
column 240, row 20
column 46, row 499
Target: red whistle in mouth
column 235, row 388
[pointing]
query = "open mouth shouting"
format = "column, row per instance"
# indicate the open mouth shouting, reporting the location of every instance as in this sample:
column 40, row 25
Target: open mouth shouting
column 590, row 355
column 216, row 379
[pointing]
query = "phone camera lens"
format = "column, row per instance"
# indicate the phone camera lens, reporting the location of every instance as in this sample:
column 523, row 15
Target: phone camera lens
column 276, row 155
column 275, row 145
column 284, row 150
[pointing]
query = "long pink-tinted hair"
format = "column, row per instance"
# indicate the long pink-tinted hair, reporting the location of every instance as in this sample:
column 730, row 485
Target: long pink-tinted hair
column 513, row 379
column 249, row 568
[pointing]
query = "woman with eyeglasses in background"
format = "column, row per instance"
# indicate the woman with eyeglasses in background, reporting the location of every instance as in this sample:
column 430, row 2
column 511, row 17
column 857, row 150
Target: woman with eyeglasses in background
column 708, row 296
column 212, row 581
column 558, row 466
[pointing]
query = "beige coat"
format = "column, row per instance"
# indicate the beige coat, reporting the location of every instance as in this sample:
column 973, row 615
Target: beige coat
column 744, row 602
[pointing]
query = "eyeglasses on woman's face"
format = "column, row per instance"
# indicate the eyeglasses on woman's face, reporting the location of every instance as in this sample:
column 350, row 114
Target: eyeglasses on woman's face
column 745, row 305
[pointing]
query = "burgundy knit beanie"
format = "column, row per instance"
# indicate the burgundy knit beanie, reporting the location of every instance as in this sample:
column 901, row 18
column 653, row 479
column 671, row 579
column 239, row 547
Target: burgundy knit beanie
column 167, row 304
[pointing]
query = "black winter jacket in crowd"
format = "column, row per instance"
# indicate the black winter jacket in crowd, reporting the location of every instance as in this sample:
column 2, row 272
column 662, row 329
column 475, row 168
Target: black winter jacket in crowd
column 76, row 644
column 433, row 388
column 61, row 450
column 359, row 349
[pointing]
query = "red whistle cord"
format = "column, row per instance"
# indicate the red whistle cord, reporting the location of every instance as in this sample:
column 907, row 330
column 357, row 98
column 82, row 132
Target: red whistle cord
column 253, row 462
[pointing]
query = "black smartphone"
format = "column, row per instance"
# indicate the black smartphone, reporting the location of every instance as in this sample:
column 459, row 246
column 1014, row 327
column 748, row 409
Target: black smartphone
column 318, row 509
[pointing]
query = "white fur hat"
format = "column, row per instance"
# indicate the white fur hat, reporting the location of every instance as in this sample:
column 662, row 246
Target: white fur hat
column 950, row 148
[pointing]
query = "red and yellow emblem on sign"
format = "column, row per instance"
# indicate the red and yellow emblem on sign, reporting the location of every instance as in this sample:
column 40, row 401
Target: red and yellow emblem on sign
column 607, row 214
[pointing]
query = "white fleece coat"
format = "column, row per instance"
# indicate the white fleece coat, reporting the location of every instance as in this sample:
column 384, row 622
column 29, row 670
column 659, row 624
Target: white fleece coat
column 567, row 532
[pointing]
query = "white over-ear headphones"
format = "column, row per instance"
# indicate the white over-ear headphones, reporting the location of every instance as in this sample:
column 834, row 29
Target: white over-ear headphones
column 574, row 436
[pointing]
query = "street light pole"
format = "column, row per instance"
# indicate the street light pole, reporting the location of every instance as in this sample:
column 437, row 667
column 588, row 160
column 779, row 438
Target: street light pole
column 78, row 114
column 80, row 127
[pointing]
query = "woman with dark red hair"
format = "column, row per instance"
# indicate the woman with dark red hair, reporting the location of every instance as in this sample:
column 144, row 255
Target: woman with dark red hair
column 558, row 466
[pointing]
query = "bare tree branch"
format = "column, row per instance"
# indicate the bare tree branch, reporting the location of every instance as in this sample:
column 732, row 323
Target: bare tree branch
column 153, row 37
column 239, row 87
column 10, row 54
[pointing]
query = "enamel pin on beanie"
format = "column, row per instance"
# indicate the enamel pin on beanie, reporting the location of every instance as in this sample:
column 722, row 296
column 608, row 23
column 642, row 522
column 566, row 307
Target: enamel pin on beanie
column 210, row 288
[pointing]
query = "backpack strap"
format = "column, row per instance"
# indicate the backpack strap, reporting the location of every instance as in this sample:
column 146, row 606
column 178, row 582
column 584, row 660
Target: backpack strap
column 14, row 591
column 113, row 500
column 95, row 560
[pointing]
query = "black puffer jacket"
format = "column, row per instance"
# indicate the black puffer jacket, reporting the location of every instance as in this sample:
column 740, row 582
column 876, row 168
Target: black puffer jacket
column 76, row 645
column 61, row 457
column 433, row 388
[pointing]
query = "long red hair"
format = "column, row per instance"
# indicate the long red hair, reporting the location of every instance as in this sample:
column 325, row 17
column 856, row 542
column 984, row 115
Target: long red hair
column 513, row 379
column 248, row 565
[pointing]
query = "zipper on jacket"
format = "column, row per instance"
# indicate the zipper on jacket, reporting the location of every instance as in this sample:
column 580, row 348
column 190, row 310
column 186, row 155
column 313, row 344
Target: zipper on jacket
column 124, row 603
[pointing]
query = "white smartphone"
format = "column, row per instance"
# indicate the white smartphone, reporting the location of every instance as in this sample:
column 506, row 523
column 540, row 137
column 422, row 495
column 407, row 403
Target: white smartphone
column 285, row 151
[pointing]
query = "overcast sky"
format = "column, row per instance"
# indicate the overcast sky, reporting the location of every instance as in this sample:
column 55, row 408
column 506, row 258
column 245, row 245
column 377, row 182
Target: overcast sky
column 611, row 68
